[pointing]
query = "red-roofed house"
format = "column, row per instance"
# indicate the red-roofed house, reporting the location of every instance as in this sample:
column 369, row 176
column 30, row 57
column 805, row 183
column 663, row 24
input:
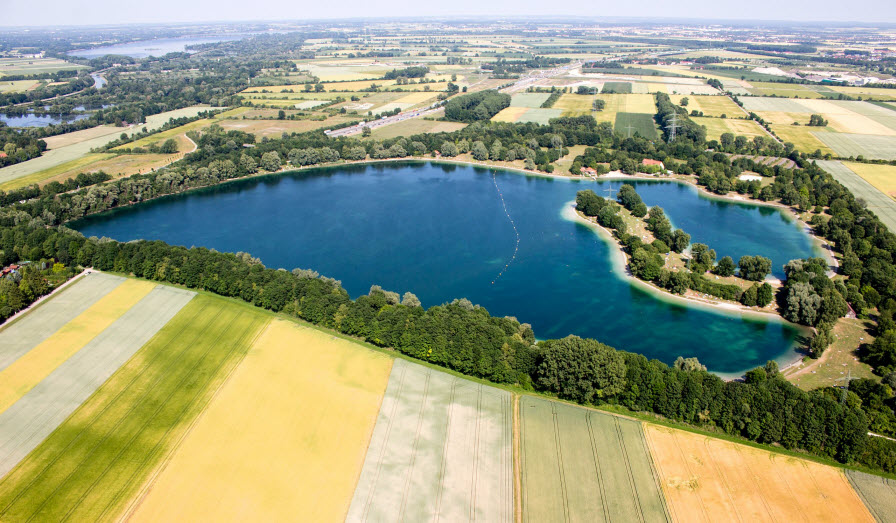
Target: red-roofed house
column 647, row 161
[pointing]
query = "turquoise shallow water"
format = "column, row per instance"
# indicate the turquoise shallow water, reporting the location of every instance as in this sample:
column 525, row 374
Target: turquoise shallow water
column 441, row 232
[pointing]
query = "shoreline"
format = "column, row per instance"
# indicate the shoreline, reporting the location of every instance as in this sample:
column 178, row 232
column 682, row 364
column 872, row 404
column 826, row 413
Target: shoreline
column 619, row 264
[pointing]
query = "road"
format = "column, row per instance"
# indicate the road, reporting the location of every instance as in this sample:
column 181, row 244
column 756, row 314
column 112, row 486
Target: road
column 523, row 83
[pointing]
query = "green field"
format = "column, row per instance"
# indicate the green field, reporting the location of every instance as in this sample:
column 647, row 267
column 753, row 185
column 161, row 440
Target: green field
column 533, row 100
column 628, row 124
column 93, row 464
column 582, row 465
column 617, row 87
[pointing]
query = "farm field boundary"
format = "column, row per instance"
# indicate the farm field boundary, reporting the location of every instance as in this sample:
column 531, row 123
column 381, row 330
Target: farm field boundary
column 284, row 438
column 708, row 479
column 881, row 204
column 18, row 337
column 93, row 464
column 441, row 449
column 879, row 494
column 26, row 372
column 585, row 465
column 32, row 418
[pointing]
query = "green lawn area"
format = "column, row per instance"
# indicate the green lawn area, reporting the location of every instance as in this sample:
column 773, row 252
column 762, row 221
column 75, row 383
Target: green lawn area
column 617, row 87
column 93, row 464
column 629, row 124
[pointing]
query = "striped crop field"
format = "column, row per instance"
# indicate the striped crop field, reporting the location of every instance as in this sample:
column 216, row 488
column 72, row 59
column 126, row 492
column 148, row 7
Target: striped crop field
column 582, row 465
column 61, row 372
column 707, row 479
column 94, row 462
column 879, row 494
column 441, row 449
column 284, row 439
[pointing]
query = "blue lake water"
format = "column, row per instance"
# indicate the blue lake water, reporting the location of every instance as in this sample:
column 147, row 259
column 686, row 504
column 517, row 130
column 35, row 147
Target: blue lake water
column 158, row 47
column 33, row 120
column 441, row 232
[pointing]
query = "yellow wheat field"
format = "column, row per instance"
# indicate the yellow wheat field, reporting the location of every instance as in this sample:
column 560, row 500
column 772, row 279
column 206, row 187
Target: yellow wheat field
column 39, row 362
column 283, row 440
column 708, row 479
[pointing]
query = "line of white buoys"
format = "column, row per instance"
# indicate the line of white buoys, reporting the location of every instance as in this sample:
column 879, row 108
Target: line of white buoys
column 516, row 248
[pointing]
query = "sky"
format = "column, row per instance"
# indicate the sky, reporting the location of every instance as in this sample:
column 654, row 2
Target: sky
column 97, row 12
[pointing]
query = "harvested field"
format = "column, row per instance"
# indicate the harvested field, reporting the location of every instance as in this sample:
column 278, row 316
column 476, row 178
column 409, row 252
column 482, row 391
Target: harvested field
column 867, row 145
column 708, row 479
column 585, row 466
column 533, row 100
column 878, row 202
column 539, row 116
column 415, row 126
column 879, row 494
column 509, row 114
column 310, row 104
column 61, row 140
column 96, row 461
column 617, row 87
column 30, row 369
column 284, row 439
column 28, row 331
column 39, row 412
column 716, row 127
column 633, row 123
column 441, row 449
column 881, row 176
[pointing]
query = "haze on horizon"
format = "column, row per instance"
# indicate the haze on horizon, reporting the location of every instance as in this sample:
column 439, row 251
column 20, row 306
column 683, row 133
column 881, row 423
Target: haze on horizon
column 101, row 12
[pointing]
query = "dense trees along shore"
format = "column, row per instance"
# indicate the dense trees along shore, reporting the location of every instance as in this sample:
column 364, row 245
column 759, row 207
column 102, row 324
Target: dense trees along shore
column 466, row 338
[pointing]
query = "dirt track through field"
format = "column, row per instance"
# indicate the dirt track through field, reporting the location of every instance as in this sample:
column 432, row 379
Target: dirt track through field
column 33, row 417
column 708, row 479
column 441, row 449
column 37, row 325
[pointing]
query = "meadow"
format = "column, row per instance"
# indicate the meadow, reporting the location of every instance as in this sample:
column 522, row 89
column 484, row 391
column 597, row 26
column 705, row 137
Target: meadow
column 617, row 87
column 284, row 438
column 707, row 479
column 585, row 466
column 711, row 105
column 631, row 123
column 92, row 465
column 716, row 127
column 533, row 100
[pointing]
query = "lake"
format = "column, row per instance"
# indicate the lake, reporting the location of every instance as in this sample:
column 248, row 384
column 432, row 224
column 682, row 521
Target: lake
column 33, row 120
column 441, row 232
column 158, row 47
